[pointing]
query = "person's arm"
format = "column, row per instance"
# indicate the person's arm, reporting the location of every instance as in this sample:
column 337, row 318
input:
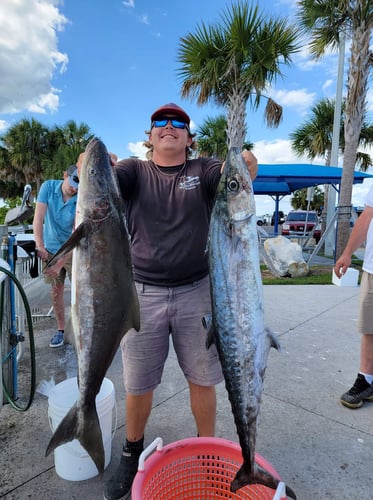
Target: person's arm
column 40, row 211
column 357, row 237
column 251, row 162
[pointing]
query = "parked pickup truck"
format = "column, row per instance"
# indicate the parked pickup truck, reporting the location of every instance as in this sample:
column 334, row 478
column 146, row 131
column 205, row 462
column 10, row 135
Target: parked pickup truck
column 296, row 221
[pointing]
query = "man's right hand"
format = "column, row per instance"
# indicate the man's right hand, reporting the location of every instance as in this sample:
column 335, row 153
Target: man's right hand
column 342, row 264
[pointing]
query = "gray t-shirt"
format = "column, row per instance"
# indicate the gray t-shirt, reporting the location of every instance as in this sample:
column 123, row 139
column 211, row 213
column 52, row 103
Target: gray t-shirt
column 168, row 214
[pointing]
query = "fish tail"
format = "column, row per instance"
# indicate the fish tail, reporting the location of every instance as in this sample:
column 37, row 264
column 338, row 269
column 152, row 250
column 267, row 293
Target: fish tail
column 84, row 427
column 260, row 476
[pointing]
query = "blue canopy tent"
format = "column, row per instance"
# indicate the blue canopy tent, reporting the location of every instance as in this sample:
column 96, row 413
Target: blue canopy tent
column 281, row 180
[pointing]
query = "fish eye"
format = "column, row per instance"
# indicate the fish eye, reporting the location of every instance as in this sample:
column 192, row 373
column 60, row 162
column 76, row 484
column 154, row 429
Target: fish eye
column 233, row 185
column 92, row 171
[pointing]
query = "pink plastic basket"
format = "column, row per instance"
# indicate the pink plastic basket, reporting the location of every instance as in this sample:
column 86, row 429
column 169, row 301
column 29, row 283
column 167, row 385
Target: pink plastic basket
column 197, row 469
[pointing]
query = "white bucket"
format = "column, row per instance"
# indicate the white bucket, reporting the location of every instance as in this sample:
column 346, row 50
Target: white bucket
column 71, row 460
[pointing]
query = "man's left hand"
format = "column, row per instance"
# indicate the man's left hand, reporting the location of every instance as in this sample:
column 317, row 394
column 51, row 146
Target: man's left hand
column 251, row 162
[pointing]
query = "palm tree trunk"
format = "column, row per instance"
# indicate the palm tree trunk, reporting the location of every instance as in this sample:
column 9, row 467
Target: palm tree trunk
column 236, row 129
column 354, row 113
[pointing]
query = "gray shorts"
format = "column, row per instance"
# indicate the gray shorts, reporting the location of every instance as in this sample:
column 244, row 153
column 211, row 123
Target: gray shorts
column 165, row 312
column 365, row 318
column 66, row 270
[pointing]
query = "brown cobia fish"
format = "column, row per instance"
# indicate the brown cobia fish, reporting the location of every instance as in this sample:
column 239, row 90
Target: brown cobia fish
column 238, row 328
column 104, row 299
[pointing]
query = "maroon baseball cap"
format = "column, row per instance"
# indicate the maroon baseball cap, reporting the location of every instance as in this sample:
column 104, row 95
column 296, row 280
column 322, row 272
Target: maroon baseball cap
column 171, row 108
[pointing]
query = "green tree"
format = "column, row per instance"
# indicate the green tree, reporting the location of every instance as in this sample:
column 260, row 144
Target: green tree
column 233, row 61
column 212, row 140
column 26, row 143
column 327, row 21
column 66, row 144
column 299, row 200
column 314, row 138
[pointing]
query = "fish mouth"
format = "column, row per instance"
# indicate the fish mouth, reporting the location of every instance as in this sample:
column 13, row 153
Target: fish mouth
column 241, row 216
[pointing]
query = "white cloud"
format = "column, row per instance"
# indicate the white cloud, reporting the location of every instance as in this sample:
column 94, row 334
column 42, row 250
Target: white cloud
column 129, row 3
column 3, row 125
column 192, row 126
column 327, row 84
column 29, row 55
column 279, row 151
column 137, row 149
column 299, row 99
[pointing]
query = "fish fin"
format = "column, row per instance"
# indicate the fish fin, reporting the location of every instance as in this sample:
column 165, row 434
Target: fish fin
column 235, row 241
column 85, row 428
column 136, row 319
column 274, row 342
column 69, row 244
column 261, row 476
column 208, row 325
column 210, row 337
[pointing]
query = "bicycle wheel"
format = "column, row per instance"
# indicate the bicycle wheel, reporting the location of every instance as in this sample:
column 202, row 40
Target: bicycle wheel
column 17, row 344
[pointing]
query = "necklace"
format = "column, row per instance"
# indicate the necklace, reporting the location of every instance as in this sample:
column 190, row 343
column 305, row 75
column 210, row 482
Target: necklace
column 170, row 170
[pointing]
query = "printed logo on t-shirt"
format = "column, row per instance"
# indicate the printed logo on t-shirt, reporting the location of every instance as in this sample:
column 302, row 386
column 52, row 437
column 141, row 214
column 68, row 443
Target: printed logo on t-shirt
column 189, row 182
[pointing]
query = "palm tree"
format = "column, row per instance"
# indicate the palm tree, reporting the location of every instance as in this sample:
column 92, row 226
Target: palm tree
column 233, row 62
column 11, row 183
column 314, row 138
column 299, row 199
column 212, row 138
column 27, row 145
column 67, row 142
column 75, row 137
column 327, row 21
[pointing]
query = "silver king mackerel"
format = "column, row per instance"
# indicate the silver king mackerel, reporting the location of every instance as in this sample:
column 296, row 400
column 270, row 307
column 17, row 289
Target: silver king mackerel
column 238, row 328
column 104, row 299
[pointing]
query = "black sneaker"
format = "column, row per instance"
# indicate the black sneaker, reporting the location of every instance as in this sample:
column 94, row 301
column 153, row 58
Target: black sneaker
column 119, row 486
column 359, row 392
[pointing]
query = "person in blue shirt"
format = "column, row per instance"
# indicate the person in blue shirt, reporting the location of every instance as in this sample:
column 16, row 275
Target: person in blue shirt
column 53, row 224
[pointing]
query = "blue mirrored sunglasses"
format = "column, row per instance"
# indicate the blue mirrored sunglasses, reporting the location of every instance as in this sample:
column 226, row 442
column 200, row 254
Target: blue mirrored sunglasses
column 75, row 178
column 175, row 123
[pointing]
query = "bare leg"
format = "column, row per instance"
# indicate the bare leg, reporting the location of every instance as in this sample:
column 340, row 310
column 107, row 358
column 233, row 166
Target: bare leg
column 366, row 354
column 203, row 404
column 59, row 305
column 138, row 409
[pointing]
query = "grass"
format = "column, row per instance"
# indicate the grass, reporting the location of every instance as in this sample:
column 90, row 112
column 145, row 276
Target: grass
column 318, row 275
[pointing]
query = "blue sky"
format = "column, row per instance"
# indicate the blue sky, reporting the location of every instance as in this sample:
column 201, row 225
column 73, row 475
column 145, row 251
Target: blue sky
column 111, row 63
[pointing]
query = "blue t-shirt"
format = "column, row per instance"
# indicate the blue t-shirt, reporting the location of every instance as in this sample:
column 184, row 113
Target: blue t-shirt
column 60, row 216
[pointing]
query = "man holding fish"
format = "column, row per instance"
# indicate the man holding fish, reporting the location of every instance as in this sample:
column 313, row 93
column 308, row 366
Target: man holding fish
column 168, row 202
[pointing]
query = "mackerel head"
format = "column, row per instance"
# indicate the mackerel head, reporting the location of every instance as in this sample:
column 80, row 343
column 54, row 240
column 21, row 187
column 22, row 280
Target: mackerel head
column 104, row 304
column 238, row 328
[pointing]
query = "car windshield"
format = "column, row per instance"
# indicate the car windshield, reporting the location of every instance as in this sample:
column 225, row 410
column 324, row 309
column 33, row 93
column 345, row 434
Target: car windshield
column 302, row 216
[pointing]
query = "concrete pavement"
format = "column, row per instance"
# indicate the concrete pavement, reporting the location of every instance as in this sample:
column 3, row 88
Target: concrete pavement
column 321, row 449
